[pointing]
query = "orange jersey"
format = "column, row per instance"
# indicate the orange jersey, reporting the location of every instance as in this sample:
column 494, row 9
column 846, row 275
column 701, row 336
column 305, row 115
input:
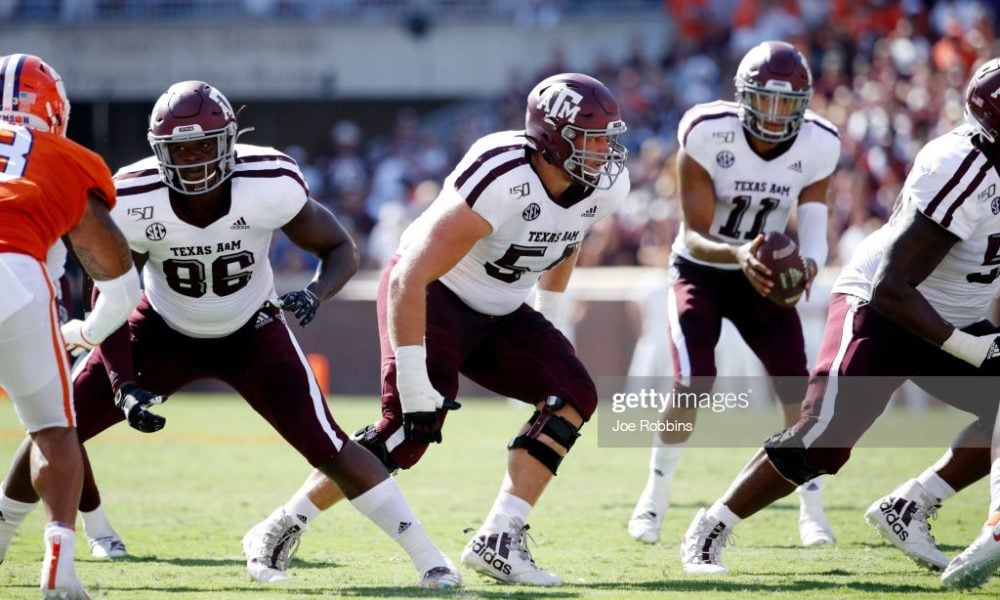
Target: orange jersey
column 44, row 180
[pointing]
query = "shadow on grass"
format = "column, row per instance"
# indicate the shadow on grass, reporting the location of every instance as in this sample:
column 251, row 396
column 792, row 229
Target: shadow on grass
column 744, row 587
column 500, row 591
column 209, row 562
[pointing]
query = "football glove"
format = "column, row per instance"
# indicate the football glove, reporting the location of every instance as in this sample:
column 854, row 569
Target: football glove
column 72, row 332
column 424, row 426
column 303, row 304
column 135, row 402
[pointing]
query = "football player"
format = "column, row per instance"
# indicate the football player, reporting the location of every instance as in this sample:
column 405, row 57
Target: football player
column 200, row 214
column 743, row 168
column 51, row 187
column 912, row 304
column 510, row 215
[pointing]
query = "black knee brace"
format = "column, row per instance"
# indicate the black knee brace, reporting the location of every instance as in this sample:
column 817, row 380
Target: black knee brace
column 790, row 458
column 367, row 438
column 559, row 429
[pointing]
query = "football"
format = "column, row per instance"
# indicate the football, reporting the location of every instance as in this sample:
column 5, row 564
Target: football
column 788, row 270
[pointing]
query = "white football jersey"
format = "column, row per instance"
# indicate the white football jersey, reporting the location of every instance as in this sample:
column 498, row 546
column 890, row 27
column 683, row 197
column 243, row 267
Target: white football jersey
column 753, row 194
column 207, row 282
column 956, row 186
column 532, row 232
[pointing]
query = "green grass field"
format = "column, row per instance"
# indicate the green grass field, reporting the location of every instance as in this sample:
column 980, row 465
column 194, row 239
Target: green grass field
column 182, row 499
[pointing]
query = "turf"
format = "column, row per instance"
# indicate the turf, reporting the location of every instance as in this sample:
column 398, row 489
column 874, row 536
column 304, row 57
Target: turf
column 182, row 499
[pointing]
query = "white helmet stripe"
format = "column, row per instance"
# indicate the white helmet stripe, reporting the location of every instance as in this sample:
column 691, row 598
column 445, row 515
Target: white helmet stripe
column 11, row 68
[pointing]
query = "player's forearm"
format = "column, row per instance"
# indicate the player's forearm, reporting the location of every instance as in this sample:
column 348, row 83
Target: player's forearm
column 407, row 311
column 335, row 269
column 706, row 249
column 904, row 305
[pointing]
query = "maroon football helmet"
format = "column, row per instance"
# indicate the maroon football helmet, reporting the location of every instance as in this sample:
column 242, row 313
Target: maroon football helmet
column 773, row 88
column 981, row 99
column 192, row 111
column 574, row 122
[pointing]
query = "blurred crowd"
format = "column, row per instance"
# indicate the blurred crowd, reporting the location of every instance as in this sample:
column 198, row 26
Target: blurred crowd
column 890, row 75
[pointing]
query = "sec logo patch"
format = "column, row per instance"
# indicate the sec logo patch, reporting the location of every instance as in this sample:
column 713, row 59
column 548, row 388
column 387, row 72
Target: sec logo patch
column 725, row 159
column 531, row 212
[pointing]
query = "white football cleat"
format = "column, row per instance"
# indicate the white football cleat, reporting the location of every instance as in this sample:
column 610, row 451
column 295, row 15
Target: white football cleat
column 814, row 529
column 270, row 546
column 976, row 564
column 647, row 516
column 446, row 577
column 645, row 527
column 58, row 578
column 108, row 546
column 901, row 518
column 701, row 548
column 500, row 550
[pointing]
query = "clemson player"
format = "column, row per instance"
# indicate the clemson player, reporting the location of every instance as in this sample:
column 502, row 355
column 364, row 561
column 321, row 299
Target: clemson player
column 51, row 187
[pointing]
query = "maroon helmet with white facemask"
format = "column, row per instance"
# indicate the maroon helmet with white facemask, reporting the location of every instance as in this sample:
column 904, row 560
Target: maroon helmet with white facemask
column 773, row 89
column 574, row 122
column 191, row 111
column 982, row 99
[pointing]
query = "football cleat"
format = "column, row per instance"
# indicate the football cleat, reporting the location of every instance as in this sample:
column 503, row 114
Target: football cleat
column 901, row 518
column 270, row 546
column 499, row 550
column 58, row 574
column 814, row 529
column 976, row 564
column 108, row 546
column 446, row 577
column 645, row 527
column 701, row 548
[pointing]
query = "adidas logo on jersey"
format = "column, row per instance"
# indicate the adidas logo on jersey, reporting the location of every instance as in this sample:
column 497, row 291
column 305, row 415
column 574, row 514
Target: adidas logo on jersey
column 403, row 526
column 796, row 166
column 240, row 223
column 494, row 550
column 590, row 212
column 262, row 320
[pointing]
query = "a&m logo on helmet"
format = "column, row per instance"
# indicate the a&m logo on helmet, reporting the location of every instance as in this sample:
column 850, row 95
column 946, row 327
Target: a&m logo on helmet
column 560, row 103
column 223, row 102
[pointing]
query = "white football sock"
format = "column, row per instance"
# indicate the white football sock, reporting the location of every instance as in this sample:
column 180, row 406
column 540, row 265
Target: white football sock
column 509, row 506
column 811, row 494
column 96, row 523
column 721, row 512
column 386, row 507
column 301, row 508
column 14, row 511
column 935, row 485
column 663, row 461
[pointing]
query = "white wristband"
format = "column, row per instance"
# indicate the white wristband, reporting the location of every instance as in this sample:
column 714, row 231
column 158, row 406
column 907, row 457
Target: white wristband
column 550, row 304
column 118, row 297
column 973, row 349
column 416, row 394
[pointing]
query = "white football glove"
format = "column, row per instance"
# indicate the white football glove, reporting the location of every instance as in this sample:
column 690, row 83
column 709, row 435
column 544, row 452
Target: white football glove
column 76, row 343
